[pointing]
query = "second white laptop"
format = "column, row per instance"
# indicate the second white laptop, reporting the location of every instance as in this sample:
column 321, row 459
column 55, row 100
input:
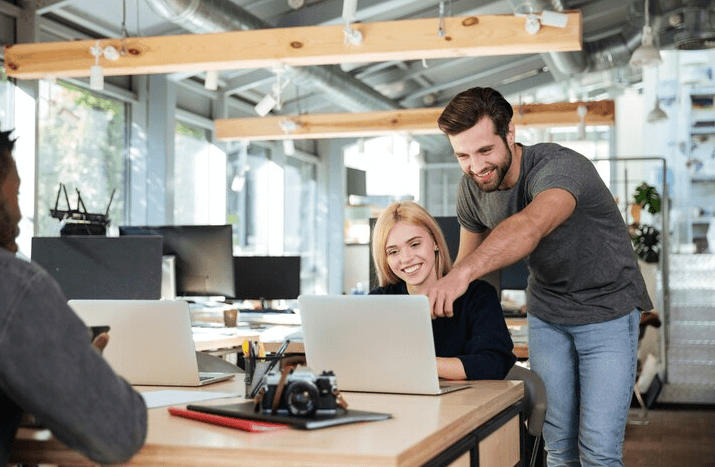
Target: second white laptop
column 373, row 343
column 150, row 341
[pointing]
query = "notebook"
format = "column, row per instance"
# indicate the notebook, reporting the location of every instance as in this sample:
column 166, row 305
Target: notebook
column 150, row 341
column 373, row 343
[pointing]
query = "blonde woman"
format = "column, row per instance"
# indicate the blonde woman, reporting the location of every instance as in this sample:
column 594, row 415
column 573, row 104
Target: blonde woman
column 410, row 254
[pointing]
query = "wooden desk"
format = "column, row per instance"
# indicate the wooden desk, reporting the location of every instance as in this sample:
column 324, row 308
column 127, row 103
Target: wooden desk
column 517, row 327
column 425, row 430
column 209, row 339
column 216, row 342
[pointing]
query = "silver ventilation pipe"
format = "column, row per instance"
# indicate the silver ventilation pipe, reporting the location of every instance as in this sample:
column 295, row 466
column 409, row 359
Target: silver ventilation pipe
column 205, row 16
column 603, row 54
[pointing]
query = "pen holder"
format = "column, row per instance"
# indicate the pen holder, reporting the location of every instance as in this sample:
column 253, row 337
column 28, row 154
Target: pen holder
column 256, row 368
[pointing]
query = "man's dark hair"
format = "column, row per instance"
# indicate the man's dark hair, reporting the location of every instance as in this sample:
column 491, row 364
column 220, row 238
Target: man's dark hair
column 6, row 161
column 8, row 224
column 468, row 107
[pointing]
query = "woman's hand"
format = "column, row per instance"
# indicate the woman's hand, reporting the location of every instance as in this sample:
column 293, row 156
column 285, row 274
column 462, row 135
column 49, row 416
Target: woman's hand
column 450, row 368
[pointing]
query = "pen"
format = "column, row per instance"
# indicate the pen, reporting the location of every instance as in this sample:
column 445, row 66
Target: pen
column 276, row 359
column 248, row 360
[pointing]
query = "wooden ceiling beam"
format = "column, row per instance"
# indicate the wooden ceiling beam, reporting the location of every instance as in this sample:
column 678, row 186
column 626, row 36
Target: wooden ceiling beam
column 412, row 121
column 300, row 46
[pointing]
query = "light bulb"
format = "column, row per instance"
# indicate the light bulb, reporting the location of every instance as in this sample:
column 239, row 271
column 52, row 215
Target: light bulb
column 288, row 147
column 265, row 105
column 96, row 78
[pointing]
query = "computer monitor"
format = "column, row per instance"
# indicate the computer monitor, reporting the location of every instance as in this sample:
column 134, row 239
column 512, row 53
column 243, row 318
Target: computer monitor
column 203, row 256
column 96, row 267
column 267, row 277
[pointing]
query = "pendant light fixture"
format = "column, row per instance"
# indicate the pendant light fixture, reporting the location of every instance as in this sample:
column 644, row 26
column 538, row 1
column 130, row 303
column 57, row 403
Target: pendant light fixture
column 646, row 54
column 657, row 114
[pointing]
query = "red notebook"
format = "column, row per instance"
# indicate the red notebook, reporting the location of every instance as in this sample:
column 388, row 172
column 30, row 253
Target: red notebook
column 231, row 422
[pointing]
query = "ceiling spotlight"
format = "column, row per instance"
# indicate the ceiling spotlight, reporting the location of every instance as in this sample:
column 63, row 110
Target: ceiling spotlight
column 296, row 4
column 288, row 126
column 288, row 147
column 553, row 19
column 96, row 78
column 352, row 36
column 211, row 80
column 265, row 105
column 582, row 111
column 111, row 53
column 534, row 21
column 96, row 73
column 646, row 54
column 273, row 99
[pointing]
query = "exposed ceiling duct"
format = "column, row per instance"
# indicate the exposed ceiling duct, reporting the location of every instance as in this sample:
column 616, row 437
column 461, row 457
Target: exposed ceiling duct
column 687, row 24
column 204, row 16
column 603, row 54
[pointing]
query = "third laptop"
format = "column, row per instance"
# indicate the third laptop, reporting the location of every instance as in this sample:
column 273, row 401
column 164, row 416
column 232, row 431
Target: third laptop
column 150, row 341
column 373, row 343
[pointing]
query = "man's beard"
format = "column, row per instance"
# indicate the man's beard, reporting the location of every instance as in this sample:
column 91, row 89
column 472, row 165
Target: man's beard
column 497, row 177
column 9, row 228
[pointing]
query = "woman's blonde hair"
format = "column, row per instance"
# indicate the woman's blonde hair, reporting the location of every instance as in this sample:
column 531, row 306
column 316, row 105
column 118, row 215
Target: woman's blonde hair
column 412, row 213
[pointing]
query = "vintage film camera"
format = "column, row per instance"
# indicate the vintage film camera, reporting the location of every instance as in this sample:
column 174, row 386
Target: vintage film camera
column 301, row 394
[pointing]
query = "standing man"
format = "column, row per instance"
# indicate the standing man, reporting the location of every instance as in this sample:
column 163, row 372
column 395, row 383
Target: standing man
column 49, row 369
column 547, row 204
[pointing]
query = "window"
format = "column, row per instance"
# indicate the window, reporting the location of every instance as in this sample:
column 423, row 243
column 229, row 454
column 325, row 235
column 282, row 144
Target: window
column 83, row 145
column 253, row 185
column 273, row 208
column 595, row 145
column 5, row 101
column 391, row 164
column 300, row 225
column 199, row 172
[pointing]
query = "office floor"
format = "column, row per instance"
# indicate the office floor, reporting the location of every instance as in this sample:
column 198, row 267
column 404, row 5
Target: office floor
column 675, row 435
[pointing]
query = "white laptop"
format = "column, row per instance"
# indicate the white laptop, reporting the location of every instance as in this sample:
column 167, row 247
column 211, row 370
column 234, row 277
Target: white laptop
column 373, row 343
column 150, row 341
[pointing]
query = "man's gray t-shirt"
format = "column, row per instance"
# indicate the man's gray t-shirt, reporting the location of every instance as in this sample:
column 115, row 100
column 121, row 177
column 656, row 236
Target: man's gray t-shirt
column 585, row 271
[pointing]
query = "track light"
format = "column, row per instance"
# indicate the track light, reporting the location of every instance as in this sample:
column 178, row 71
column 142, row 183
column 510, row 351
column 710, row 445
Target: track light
column 288, row 147
column 265, row 105
column 534, row 21
column 211, row 80
column 582, row 111
column 96, row 72
column 96, row 78
column 352, row 36
column 272, row 100
column 288, row 126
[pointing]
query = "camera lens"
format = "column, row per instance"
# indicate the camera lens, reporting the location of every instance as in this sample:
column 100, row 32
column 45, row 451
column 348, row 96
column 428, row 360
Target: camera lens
column 301, row 398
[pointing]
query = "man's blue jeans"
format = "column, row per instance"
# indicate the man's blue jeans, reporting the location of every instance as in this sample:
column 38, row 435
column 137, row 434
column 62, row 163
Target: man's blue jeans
column 589, row 372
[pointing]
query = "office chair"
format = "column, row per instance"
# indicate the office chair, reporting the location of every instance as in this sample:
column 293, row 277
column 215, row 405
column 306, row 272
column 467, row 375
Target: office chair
column 535, row 395
column 648, row 318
